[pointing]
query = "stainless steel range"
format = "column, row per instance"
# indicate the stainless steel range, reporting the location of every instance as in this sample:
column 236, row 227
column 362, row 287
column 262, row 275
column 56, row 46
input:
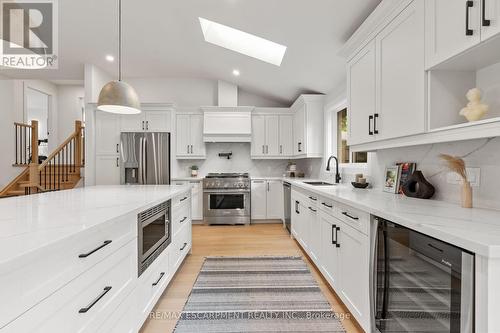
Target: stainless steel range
column 226, row 198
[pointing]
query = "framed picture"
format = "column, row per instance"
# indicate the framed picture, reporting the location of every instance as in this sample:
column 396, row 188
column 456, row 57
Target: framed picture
column 391, row 179
column 407, row 169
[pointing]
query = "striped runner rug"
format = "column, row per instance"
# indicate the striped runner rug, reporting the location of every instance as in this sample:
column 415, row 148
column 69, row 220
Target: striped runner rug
column 256, row 294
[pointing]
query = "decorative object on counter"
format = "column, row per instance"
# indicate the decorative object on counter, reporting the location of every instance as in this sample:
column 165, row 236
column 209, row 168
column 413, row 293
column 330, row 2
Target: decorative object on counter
column 474, row 110
column 194, row 171
column 457, row 165
column 291, row 169
column 300, row 174
column 416, row 186
column 407, row 169
column 391, row 181
column 357, row 177
column 226, row 154
column 360, row 185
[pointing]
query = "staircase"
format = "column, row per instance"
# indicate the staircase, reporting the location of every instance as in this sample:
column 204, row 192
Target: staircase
column 61, row 170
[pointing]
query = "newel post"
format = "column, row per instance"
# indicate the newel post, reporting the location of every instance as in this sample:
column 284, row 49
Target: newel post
column 78, row 143
column 34, row 154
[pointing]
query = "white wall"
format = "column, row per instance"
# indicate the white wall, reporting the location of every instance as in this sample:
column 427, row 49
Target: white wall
column 239, row 162
column 69, row 108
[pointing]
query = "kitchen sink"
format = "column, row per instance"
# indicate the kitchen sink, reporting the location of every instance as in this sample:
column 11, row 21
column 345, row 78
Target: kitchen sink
column 319, row 183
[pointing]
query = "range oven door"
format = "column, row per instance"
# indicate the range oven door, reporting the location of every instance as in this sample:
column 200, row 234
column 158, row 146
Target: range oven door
column 419, row 283
column 220, row 203
column 153, row 232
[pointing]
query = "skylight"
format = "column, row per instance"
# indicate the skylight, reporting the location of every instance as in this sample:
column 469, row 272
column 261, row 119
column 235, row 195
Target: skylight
column 242, row 42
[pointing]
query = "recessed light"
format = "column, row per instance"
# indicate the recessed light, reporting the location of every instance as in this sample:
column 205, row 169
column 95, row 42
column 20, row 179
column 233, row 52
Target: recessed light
column 110, row 58
column 236, row 72
column 242, row 42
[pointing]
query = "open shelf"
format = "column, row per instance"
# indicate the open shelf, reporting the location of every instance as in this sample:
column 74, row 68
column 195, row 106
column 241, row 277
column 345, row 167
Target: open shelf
column 466, row 124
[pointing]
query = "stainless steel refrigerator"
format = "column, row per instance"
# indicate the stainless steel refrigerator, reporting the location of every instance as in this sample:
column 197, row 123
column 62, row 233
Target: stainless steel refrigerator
column 145, row 158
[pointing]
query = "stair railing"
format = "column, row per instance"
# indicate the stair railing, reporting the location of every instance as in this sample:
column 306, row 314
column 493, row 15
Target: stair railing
column 26, row 143
column 65, row 162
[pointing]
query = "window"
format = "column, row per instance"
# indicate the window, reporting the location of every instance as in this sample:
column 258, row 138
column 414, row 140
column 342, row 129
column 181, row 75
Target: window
column 343, row 152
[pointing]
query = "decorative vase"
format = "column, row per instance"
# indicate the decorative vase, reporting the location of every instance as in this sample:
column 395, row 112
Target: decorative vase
column 194, row 173
column 417, row 186
column 466, row 195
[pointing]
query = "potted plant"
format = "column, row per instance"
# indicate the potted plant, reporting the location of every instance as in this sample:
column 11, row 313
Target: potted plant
column 194, row 171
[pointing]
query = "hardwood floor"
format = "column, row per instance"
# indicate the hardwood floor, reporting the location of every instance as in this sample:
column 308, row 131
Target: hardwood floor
column 253, row 240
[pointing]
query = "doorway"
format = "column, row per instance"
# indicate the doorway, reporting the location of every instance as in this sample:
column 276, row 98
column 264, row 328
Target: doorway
column 38, row 108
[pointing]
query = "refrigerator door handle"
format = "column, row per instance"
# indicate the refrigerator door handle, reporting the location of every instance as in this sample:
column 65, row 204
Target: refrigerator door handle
column 144, row 157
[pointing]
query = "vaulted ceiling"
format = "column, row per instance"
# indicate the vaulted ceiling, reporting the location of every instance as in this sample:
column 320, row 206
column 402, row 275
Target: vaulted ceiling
column 162, row 38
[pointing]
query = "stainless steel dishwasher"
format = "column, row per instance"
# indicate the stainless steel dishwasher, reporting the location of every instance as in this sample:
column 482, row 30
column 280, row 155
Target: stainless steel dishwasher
column 287, row 191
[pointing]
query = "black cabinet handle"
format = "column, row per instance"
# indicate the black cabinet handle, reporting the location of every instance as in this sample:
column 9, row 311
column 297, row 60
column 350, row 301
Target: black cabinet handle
column 370, row 119
column 313, row 210
column 117, row 148
column 184, row 246
column 117, row 163
column 94, row 302
column 299, row 147
column 313, row 198
column 486, row 23
column 375, row 130
column 183, row 199
column 297, row 207
column 334, row 228
column 337, row 243
column 159, row 279
column 327, row 205
column 468, row 31
column 350, row 216
column 85, row 255
column 183, row 219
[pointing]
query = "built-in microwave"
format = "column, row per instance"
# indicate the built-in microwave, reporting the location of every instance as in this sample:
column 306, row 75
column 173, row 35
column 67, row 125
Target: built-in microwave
column 153, row 233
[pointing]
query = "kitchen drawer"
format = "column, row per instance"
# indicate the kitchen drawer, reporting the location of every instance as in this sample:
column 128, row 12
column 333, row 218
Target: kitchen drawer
column 181, row 198
column 52, row 267
column 86, row 302
column 327, row 205
column 179, row 182
column 181, row 216
column 153, row 282
column 358, row 219
column 180, row 247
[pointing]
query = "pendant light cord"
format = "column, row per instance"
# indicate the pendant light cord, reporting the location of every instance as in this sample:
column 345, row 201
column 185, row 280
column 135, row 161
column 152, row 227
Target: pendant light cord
column 119, row 40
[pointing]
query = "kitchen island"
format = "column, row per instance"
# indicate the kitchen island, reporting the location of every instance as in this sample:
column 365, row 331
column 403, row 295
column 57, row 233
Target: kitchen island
column 69, row 259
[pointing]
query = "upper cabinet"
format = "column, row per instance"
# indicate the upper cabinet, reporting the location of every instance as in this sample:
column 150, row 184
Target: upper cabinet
column 147, row 121
column 308, row 126
column 454, row 26
column 189, row 136
column 386, row 81
column 272, row 133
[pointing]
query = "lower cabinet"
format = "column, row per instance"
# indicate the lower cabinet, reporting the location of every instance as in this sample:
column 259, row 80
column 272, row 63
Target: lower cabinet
column 107, row 170
column 267, row 200
column 196, row 197
column 340, row 249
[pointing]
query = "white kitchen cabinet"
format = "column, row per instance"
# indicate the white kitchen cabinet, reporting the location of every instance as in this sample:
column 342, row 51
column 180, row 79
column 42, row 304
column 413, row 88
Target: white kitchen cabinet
column 452, row 26
column 107, row 169
column 361, row 95
column 107, row 133
column 274, row 200
column 267, row 200
column 259, row 199
column 313, row 234
column 490, row 19
column 308, row 126
column 286, row 136
column 400, row 88
column 271, row 136
column 330, row 255
column 196, row 197
column 150, row 121
column 354, row 272
column 189, row 136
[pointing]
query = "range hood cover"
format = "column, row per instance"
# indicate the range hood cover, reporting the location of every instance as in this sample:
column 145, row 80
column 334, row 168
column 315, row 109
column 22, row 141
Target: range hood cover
column 227, row 124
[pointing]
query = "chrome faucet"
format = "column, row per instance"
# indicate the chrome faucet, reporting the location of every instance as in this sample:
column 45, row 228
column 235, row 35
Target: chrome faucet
column 337, row 174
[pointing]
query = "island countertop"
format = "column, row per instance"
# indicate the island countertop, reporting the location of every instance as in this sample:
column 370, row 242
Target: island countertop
column 30, row 223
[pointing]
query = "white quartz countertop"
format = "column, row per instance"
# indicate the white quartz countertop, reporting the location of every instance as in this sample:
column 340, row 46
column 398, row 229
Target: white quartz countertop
column 194, row 179
column 29, row 223
column 476, row 230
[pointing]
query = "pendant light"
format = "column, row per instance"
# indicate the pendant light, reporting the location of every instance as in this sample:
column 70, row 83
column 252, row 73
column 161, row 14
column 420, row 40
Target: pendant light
column 118, row 96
